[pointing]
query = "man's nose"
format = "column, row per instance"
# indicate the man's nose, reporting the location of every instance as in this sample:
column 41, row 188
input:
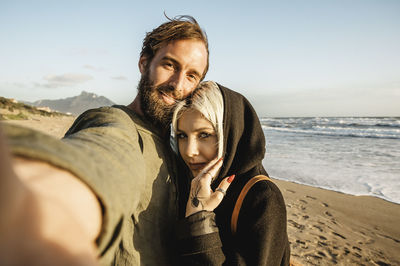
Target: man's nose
column 181, row 86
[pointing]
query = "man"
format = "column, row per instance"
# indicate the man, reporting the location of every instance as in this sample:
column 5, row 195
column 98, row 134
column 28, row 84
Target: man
column 107, row 189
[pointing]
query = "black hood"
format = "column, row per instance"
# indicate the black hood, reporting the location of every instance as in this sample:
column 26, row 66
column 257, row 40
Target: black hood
column 244, row 141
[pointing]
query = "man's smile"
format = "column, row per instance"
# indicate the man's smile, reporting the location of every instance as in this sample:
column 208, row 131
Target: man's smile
column 167, row 98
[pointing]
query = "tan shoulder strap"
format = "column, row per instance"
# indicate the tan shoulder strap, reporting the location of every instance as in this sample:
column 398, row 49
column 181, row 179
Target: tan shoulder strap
column 239, row 201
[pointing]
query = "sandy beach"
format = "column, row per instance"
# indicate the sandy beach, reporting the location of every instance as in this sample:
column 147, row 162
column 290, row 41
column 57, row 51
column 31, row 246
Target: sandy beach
column 324, row 227
column 332, row 228
column 55, row 126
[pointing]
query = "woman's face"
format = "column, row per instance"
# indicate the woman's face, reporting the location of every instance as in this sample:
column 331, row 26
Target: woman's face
column 197, row 140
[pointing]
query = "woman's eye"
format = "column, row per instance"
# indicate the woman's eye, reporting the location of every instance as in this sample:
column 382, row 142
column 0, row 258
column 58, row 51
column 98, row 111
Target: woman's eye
column 204, row 135
column 180, row 136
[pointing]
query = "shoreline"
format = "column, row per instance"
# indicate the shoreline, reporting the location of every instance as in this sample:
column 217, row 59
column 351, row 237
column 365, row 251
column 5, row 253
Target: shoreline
column 337, row 191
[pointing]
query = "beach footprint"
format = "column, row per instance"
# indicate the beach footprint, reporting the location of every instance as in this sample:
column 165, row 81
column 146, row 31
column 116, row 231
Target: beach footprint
column 381, row 263
column 318, row 227
column 346, row 251
column 296, row 225
column 389, row 237
column 339, row 235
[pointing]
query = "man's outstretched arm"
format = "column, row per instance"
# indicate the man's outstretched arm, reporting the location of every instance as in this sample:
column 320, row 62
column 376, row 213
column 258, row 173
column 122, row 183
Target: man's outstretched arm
column 47, row 215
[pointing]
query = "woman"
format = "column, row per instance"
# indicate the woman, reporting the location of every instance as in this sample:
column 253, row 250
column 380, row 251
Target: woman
column 218, row 122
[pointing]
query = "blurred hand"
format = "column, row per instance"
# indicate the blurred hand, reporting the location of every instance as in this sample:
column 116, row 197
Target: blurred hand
column 36, row 226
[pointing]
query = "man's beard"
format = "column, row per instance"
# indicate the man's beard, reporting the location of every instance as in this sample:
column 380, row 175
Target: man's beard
column 155, row 109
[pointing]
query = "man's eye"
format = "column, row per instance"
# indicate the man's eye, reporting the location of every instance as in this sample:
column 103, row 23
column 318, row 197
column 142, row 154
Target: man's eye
column 192, row 77
column 168, row 65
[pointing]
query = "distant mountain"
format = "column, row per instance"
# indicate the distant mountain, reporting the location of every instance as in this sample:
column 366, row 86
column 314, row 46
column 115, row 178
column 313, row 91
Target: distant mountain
column 77, row 104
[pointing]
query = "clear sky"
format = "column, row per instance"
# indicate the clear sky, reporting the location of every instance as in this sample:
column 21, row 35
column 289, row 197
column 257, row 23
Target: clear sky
column 290, row 58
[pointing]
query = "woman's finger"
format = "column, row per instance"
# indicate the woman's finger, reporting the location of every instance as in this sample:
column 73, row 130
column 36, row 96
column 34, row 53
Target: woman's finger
column 211, row 164
column 218, row 195
column 211, row 171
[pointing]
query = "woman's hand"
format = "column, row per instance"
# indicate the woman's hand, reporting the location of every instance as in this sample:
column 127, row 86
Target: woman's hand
column 202, row 197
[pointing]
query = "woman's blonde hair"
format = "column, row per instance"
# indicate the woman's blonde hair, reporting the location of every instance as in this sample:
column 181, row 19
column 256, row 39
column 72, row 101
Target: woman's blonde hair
column 206, row 99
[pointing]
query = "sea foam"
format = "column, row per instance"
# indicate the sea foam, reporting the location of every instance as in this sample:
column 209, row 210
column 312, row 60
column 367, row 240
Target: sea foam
column 354, row 155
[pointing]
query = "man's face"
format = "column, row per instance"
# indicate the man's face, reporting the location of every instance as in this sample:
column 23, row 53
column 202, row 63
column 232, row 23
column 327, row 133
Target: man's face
column 172, row 74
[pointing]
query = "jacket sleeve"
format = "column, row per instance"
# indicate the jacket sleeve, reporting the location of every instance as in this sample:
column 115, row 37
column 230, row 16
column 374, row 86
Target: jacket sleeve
column 261, row 237
column 198, row 240
column 101, row 148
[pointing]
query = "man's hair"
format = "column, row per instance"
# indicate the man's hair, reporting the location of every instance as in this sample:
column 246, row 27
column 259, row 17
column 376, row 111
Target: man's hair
column 206, row 99
column 177, row 28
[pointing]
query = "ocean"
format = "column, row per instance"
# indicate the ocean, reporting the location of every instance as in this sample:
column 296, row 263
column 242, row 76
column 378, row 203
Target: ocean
column 353, row 155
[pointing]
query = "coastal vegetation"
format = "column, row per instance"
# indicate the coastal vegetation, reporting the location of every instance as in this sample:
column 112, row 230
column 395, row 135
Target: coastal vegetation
column 11, row 109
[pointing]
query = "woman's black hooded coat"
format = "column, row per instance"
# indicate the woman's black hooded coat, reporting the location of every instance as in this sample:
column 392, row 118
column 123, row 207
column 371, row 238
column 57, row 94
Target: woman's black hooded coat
column 261, row 237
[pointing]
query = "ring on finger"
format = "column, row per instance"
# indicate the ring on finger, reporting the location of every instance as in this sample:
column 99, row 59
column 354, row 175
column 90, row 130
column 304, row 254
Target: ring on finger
column 223, row 191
